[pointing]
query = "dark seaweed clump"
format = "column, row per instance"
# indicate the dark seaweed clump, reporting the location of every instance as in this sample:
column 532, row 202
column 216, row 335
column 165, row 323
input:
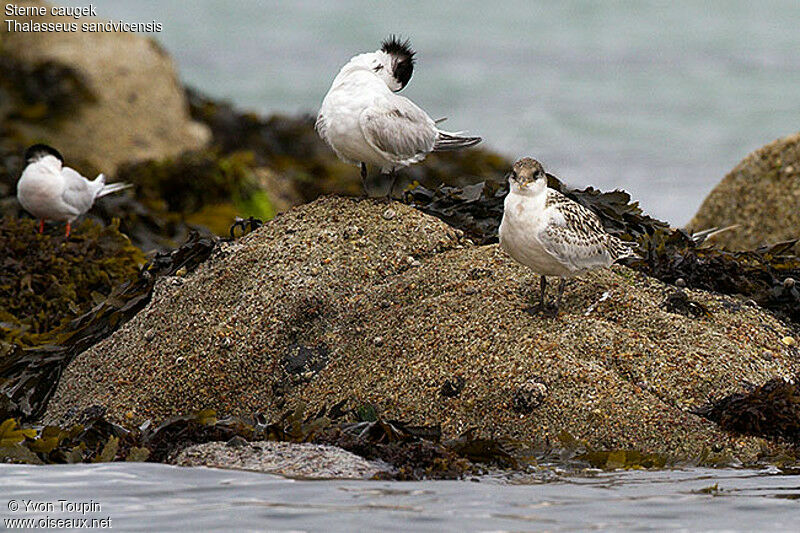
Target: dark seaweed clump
column 204, row 187
column 47, row 280
column 28, row 377
column 478, row 209
column 415, row 452
column 770, row 410
column 91, row 438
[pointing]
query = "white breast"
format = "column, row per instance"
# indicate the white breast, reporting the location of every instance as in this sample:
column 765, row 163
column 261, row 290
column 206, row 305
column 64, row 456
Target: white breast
column 524, row 217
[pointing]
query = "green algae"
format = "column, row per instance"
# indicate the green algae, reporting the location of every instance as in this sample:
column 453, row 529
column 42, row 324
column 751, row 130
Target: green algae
column 205, row 188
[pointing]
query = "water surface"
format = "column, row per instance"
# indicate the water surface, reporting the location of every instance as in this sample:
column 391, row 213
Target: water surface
column 151, row 497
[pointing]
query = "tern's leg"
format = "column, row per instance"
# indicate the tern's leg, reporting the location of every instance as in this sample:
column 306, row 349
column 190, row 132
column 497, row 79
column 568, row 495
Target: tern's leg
column 393, row 175
column 364, row 177
column 41, row 225
column 543, row 287
column 560, row 292
column 68, row 229
column 542, row 307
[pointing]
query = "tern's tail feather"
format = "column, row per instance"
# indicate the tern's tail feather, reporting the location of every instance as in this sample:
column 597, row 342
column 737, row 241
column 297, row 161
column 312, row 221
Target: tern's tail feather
column 111, row 188
column 453, row 141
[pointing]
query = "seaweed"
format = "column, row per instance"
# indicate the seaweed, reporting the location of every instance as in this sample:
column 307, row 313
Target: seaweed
column 764, row 275
column 478, row 209
column 194, row 180
column 771, row 410
column 415, row 452
column 29, row 376
column 47, row 280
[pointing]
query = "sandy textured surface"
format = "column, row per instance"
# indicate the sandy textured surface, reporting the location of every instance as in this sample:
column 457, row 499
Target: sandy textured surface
column 351, row 299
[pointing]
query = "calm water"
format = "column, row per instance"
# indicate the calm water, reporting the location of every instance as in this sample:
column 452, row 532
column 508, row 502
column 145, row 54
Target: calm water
column 661, row 98
column 146, row 497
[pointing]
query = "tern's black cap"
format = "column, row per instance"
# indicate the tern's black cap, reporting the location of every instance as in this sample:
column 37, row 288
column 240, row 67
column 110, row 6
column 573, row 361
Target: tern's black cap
column 37, row 151
column 403, row 54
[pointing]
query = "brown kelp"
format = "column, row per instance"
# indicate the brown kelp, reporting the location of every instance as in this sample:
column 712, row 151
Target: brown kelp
column 28, row 376
column 478, row 209
column 414, row 452
column 47, row 280
column 769, row 410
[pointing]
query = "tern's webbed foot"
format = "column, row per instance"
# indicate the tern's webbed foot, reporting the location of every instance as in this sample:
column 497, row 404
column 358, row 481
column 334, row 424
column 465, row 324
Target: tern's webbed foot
column 547, row 311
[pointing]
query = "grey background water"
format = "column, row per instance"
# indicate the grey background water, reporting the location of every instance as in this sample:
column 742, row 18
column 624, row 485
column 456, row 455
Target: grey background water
column 148, row 497
column 661, row 98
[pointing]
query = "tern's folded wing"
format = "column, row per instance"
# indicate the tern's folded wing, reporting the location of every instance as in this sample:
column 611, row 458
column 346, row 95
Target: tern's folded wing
column 399, row 129
column 78, row 195
column 575, row 235
column 580, row 251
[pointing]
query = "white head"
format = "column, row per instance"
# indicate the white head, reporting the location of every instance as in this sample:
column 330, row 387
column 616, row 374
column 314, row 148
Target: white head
column 393, row 63
column 527, row 177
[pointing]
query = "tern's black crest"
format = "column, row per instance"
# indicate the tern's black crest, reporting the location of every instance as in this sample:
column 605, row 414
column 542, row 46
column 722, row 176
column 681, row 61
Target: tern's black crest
column 403, row 54
column 38, row 151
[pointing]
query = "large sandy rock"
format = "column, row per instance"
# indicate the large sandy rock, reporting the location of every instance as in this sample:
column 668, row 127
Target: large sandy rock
column 761, row 195
column 139, row 109
column 351, row 299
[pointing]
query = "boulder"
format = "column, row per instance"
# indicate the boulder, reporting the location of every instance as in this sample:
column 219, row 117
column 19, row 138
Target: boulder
column 132, row 105
column 760, row 196
column 356, row 300
column 301, row 460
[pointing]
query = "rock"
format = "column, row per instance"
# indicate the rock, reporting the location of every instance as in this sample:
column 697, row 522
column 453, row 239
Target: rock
column 310, row 461
column 761, row 195
column 528, row 397
column 260, row 294
column 137, row 109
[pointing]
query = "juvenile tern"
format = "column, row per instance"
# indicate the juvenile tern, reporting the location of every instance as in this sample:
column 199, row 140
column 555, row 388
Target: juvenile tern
column 366, row 123
column 551, row 234
column 50, row 191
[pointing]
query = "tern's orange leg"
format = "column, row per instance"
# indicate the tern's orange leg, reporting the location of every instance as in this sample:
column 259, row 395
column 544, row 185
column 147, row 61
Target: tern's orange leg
column 68, row 228
column 41, row 225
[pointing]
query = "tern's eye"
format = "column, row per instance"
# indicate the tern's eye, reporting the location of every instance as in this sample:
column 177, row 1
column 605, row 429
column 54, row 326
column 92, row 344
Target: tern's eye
column 378, row 68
